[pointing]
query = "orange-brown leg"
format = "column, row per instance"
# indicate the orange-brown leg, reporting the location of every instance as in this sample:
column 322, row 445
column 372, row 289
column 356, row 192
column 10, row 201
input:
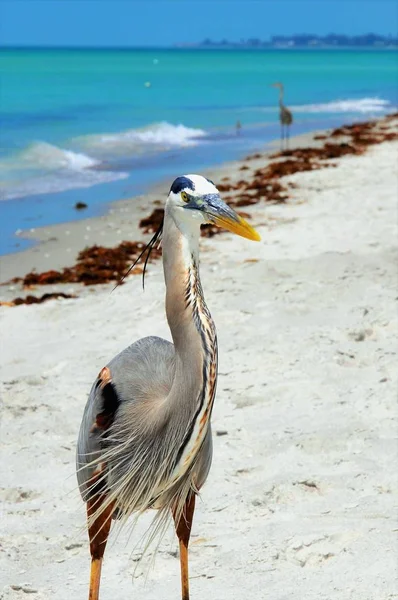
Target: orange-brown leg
column 183, row 530
column 98, row 531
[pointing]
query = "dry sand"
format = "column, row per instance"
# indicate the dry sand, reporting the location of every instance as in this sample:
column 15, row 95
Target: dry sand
column 301, row 499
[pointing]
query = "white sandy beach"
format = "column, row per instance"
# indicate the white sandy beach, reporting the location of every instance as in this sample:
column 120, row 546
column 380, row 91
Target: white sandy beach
column 301, row 501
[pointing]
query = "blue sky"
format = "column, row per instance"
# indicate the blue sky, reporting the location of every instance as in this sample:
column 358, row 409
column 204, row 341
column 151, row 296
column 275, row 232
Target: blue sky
column 165, row 22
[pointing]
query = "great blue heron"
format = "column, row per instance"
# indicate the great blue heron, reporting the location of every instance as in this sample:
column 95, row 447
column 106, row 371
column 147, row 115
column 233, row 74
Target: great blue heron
column 285, row 116
column 145, row 438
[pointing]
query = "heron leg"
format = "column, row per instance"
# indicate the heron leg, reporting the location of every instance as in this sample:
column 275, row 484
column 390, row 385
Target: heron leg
column 282, row 136
column 287, row 137
column 99, row 524
column 183, row 530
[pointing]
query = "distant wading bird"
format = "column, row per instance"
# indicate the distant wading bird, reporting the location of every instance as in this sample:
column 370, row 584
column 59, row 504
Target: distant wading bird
column 145, row 438
column 285, row 117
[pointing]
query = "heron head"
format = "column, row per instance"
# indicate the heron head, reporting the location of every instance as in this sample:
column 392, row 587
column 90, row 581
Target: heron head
column 277, row 84
column 195, row 198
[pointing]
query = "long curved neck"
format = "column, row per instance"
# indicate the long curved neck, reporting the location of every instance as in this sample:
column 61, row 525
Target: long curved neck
column 186, row 310
column 194, row 334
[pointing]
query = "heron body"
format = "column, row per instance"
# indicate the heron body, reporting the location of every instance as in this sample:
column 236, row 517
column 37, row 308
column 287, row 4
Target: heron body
column 145, row 437
column 285, row 116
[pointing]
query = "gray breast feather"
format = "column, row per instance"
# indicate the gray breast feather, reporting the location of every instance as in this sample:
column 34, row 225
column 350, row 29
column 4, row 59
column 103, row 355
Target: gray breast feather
column 146, row 368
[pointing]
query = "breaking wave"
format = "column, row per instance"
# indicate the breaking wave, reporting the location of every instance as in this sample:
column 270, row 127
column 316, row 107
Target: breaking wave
column 43, row 168
column 350, row 105
column 365, row 106
column 155, row 137
column 42, row 155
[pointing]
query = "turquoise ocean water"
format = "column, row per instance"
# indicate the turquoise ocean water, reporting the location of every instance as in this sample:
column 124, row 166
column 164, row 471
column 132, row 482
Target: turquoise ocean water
column 99, row 125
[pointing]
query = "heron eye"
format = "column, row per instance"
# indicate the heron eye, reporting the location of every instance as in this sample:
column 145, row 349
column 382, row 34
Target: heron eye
column 184, row 196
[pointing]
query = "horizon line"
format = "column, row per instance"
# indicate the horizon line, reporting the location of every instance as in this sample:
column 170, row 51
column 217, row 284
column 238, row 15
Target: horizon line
column 185, row 45
column 177, row 46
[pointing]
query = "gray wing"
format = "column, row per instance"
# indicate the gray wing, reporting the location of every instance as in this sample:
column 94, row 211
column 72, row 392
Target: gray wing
column 286, row 116
column 128, row 441
column 142, row 373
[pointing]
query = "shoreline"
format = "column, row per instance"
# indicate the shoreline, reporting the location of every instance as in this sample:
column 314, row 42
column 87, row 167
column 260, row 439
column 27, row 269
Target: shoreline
column 58, row 208
column 57, row 246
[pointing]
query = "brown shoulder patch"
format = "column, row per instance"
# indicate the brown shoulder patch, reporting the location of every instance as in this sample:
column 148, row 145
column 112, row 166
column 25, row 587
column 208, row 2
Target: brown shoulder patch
column 104, row 377
column 110, row 401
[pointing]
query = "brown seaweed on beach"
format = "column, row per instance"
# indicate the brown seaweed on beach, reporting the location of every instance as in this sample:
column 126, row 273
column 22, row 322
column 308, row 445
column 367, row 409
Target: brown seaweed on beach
column 336, row 150
column 261, row 189
column 209, row 230
column 94, row 265
column 36, row 299
column 244, row 200
column 366, row 134
column 226, row 187
column 152, row 223
column 265, row 185
column 391, row 136
column 350, row 130
column 286, row 167
column 361, row 134
column 265, row 182
column 98, row 264
column 254, row 156
column 306, row 155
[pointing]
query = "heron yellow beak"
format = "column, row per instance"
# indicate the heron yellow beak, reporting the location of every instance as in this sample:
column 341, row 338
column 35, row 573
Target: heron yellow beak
column 222, row 215
column 237, row 225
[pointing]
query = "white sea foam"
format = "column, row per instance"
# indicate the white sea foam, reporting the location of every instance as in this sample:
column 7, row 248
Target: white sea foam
column 46, row 156
column 43, row 168
column 157, row 136
column 350, row 105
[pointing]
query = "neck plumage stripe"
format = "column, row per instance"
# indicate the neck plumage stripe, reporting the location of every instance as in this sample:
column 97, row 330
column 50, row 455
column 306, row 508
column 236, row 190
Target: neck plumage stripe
column 204, row 324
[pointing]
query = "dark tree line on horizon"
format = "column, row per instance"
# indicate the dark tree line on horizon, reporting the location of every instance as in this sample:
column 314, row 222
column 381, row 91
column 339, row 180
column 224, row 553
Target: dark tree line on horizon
column 306, row 40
